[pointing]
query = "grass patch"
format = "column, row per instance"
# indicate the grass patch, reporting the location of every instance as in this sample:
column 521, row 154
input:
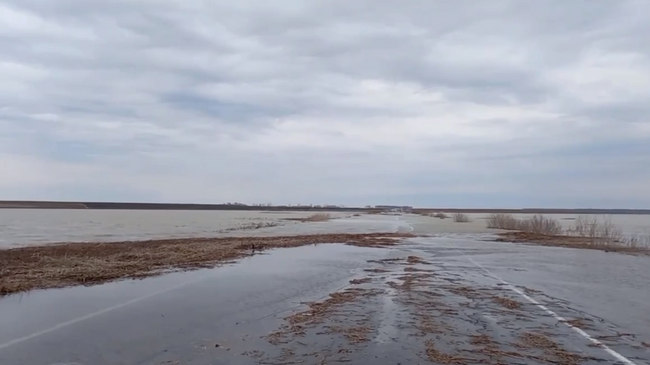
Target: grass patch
column 67, row 264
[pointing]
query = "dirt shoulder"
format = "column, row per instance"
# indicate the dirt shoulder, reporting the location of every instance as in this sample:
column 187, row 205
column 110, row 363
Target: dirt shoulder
column 67, row 264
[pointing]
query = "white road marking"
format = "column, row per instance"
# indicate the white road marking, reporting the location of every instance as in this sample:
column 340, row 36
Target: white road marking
column 582, row 333
column 92, row 315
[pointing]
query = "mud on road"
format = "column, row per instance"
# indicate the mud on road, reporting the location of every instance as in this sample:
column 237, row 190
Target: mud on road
column 412, row 311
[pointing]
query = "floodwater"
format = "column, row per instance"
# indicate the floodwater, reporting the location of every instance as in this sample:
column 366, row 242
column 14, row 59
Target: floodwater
column 224, row 315
column 177, row 318
column 21, row 227
column 630, row 225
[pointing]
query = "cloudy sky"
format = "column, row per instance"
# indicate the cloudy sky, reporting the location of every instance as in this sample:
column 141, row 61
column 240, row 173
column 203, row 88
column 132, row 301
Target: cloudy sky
column 429, row 103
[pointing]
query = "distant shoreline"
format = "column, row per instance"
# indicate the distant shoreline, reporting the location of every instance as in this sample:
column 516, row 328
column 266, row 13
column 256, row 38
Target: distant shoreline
column 236, row 207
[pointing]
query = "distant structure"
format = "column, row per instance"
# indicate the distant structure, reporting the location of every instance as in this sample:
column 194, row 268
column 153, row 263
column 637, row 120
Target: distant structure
column 395, row 208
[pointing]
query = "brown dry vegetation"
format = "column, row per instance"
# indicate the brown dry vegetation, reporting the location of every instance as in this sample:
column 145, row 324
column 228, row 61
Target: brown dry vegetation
column 60, row 265
column 412, row 260
column 507, row 302
column 250, row 226
column 360, row 281
column 376, row 271
column 318, row 313
column 318, row 217
column 570, row 242
column 577, row 322
column 586, row 232
column 550, row 348
column 438, row 357
column 537, row 224
column 461, row 218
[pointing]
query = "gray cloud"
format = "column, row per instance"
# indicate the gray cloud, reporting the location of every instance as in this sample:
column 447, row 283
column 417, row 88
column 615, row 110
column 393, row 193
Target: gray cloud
column 326, row 101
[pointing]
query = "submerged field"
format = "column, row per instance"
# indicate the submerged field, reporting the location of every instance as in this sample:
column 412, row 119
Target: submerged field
column 63, row 264
column 35, row 227
column 24, row 227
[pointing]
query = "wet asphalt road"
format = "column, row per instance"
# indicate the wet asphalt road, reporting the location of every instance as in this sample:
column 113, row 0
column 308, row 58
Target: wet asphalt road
column 454, row 308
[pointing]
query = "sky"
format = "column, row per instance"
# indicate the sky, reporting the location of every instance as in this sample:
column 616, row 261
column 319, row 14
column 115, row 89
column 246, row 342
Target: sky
column 489, row 104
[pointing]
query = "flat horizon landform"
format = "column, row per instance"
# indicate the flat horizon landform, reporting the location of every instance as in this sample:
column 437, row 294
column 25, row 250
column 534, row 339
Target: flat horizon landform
column 28, row 204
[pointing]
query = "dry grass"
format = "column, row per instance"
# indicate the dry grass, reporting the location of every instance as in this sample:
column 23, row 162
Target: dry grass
column 502, row 221
column 537, row 224
column 507, row 302
column 569, row 242
column 250, row 226
column 481, row 340
column 541, row 225
column 550, row 348
column 591, row 226
column 438, row 357
column 412, row 260
column 318, row 217
column 641, row 242
column 602, row 232
column 318, row 313
column 376, row 271
column 439, row 215
column 360, row 281
column 461, row 218
column 577, row 322
column 586, row 232
column 61, row 265
column 414, row 269
column 355, row 335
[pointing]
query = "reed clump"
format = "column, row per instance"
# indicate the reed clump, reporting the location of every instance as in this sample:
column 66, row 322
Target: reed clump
column 587, row 231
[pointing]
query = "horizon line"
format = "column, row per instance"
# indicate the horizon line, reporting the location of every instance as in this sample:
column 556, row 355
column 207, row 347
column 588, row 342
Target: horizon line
column 111, row 204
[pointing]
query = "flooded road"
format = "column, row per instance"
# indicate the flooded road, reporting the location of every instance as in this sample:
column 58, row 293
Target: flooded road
column 445, row 299
column 177, row 317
